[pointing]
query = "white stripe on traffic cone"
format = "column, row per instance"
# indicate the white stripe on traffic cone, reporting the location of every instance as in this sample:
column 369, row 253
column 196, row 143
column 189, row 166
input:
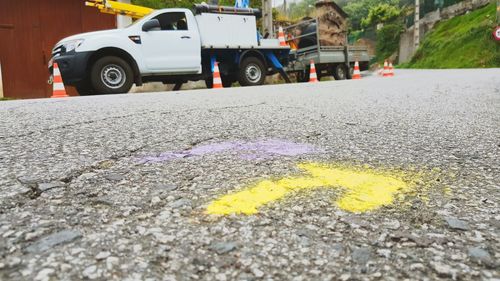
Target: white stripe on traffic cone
column 58, row 90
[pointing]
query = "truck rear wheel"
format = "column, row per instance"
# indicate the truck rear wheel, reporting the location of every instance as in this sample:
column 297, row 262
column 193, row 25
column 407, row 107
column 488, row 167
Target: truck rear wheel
column 111, row 75
column 339, row 72
column 304, row 76
column 252, row 72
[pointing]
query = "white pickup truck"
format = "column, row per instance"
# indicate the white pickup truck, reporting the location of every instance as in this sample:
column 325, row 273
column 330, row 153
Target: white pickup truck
column 172, row 46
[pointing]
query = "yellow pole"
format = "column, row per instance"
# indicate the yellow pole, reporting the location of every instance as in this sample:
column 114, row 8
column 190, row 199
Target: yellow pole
column 117, row 8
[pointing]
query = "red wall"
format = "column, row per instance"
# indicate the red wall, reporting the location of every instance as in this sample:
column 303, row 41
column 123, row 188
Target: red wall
column 28, row 32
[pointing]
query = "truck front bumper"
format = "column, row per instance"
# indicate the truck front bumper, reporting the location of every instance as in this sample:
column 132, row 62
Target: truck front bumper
column 73, row 67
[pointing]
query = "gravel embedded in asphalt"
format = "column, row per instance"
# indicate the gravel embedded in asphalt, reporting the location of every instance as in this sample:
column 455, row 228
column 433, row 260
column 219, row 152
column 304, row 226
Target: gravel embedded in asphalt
column 76, row 201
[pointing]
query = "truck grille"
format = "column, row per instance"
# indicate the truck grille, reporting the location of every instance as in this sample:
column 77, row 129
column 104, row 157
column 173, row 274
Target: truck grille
column 58, row 50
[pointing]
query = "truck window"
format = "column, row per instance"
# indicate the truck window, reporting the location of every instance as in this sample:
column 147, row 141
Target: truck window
column 172, row 21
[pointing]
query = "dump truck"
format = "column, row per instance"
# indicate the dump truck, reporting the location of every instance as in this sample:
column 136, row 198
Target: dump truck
column 176, row 45
column 323, row 40
column 337, row 60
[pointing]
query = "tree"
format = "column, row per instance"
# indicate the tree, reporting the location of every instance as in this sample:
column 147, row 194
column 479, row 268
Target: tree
column 388, row 40
column 389, row 34
column 382, row 13
column 359, row 9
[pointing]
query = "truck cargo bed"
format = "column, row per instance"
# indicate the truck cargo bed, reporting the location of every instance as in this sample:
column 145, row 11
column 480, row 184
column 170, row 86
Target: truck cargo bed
column 327, row 55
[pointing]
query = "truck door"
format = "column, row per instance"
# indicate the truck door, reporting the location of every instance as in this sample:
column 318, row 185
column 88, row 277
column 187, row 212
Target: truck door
column 174, row 47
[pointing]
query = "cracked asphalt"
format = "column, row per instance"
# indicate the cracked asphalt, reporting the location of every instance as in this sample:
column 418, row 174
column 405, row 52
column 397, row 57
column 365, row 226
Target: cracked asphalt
column 77, row 202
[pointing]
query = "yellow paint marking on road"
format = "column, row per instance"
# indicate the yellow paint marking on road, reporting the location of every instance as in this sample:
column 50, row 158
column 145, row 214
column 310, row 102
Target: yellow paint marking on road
column 362, row 191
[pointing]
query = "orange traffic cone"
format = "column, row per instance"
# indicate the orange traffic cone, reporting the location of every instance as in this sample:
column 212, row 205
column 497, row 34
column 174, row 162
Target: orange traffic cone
column 217, row 82
column 58, row 90
column 386, row 69
column 391, row 70
column 281, row 37
column 356, row 74
column 313, row 78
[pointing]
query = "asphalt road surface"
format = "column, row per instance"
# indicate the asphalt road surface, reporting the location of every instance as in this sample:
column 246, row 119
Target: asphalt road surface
column 378, row 179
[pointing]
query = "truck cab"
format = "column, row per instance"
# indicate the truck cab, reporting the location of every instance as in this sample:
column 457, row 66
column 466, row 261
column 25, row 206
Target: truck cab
column 165, row 42
column 168, row 45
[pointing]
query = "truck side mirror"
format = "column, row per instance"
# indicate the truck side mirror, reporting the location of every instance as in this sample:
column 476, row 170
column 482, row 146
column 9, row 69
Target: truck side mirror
column 151, row 24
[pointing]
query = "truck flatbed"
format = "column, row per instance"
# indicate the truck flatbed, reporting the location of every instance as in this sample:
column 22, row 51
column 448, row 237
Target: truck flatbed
column 326, row 55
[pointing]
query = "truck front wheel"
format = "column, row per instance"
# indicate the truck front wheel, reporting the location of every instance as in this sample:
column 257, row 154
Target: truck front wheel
column 252, row 72
column 111, row 75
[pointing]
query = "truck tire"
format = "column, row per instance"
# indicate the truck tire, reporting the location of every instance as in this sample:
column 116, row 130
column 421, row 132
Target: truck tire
column 111, row 75
column 304, row 76
column 252, row 72
column 339, row 72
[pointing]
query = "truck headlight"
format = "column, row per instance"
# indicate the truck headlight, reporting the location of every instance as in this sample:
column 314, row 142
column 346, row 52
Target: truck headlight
column 72, row 45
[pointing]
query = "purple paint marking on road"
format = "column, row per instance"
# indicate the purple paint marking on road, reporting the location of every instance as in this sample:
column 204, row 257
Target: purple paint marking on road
column 280, row 147
column 257, row 156
column 213, row 148
column 261, row 149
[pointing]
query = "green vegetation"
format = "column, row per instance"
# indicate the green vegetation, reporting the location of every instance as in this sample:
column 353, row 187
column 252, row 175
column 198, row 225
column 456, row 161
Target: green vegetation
column 381, row 13
column 359, row 10
column 4, row 99
column 461, row 42
column 389, row 16
column 388, row 40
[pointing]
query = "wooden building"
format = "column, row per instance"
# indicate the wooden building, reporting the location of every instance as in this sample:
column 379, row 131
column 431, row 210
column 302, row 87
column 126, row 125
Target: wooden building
column 28, row 32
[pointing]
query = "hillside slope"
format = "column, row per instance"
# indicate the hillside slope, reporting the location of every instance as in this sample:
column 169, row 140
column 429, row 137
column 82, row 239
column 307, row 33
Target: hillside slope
column 461, row 42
